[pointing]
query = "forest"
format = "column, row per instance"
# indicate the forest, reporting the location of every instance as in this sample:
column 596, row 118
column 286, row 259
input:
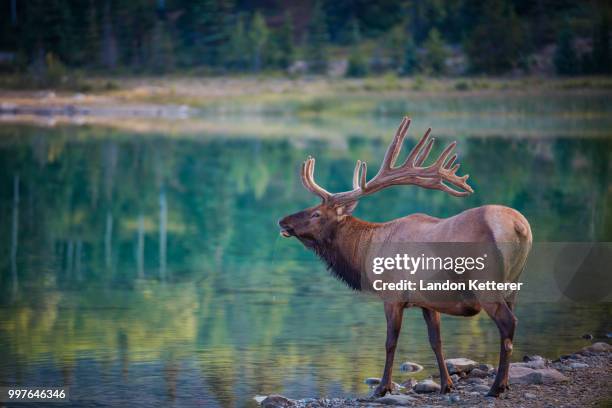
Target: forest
column 354, row 38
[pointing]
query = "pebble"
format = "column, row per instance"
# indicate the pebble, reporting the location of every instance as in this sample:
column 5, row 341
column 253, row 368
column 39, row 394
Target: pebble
column 460, row 365
column 395, row 400
column 476, row 380
column 426, row 386
column 481, row 388
column 409, row 383
column 372, row 381
column 410, row 367
column 529, row 395
column 579, row 365
column 277, row 401
column 526, row 375
column 599, row 347
column 478, row 373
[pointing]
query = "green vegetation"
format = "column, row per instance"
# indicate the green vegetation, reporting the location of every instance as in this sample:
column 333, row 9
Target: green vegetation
column 50, row 41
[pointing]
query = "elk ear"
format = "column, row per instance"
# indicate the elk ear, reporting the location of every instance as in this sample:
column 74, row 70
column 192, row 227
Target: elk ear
column 346, row 209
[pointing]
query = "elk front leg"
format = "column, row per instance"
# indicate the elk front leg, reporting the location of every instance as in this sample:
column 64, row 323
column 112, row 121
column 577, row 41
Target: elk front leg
column 432, row 318
column 394, row 313
column 506, row 323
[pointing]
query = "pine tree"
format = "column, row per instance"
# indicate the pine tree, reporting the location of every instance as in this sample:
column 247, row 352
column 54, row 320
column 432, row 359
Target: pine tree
column 410, row 57
column 211, row 27
column 237, row 52
column 602, row 62
column 566, row 62
column 92, row 35
column 258, row 38
column 283, row 43
column 162, row 50
column 395, row 40
column 495, row 44
column 357, row 64
column 435, row 54
column 317, row 40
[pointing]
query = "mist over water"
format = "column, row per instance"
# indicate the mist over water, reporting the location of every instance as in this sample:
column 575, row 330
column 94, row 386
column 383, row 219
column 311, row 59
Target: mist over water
column 148, row 268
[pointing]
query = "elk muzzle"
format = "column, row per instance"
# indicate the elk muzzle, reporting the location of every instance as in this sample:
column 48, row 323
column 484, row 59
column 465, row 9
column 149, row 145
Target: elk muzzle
column 285, row 229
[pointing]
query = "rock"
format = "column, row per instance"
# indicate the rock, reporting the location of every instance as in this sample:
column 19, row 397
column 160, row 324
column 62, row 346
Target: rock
column 529, row 395
column 372, row 381
column 409, row 367
column 526, row 375
column 535, row 364
column 478, row 373
column 579, row 365
column 476, row 380
column 409, row 383
column 486, row 367
column 599, row 347
column 455, row 378
column 460, row 365
column 587, row 336
column 426, row 386
column 454, row 398
column 481, row 388
column 277, row 401
column 535, row 357
column 401, row 400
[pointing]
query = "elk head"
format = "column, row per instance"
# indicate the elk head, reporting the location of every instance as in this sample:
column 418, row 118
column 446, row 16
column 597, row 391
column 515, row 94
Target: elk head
column 318, row 224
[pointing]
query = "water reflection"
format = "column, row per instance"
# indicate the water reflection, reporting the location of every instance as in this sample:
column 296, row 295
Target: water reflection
column 149, row 269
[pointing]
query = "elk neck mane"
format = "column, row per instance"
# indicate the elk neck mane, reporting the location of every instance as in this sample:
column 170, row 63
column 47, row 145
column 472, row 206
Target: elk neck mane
column 336, row 251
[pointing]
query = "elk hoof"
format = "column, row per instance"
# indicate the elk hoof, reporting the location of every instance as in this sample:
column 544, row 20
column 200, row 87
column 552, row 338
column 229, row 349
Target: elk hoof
column 381, row 391
column 447, row 387
column 496, row 390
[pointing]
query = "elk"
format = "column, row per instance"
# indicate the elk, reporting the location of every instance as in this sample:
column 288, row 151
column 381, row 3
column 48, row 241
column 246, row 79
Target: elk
column 342, row 240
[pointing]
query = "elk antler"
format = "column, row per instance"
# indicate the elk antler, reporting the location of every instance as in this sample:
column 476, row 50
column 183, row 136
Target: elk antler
column 411, row 171
column 308, row 180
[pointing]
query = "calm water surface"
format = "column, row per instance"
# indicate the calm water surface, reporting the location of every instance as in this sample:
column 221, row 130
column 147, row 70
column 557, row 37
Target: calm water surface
column 149, row 269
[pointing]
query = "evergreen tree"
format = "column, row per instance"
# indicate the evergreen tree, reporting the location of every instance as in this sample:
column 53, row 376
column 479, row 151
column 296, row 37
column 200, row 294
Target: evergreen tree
column 258, row 38
column 396, row 39
column 317, row 40
column 237, row 52
column 410, row 57
column 208, row 29
column 602, row 63
column 284, row 48
column 566, row 62
column 92, row 35
column 495, row 44
column 162, row 50
column 357, row 64
column 434, row 60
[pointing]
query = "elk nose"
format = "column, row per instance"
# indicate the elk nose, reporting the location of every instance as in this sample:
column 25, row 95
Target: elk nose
column 282, row 222
column 286, row 230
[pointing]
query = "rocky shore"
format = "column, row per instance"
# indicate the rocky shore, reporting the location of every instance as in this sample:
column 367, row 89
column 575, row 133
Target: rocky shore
column 576, row 380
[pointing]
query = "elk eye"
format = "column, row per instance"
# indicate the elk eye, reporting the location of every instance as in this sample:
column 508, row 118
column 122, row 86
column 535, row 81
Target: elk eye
column 315, row 214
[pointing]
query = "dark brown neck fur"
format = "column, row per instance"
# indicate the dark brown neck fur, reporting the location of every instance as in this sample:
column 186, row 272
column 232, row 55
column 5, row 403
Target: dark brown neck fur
column 341, row 251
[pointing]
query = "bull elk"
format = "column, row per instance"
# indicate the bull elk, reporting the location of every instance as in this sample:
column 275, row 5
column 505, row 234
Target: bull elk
column 342, row 241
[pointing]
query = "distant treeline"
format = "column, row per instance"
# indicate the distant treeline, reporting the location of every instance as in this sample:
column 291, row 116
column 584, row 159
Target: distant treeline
column 349, row 37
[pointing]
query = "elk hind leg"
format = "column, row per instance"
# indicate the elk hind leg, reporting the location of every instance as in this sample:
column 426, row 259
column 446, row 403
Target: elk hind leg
column 506, row 323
